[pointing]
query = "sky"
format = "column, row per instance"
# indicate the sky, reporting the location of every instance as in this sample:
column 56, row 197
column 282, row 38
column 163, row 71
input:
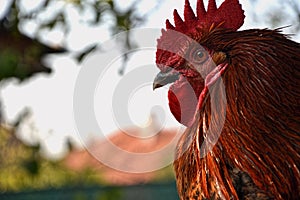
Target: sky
column 51, row 97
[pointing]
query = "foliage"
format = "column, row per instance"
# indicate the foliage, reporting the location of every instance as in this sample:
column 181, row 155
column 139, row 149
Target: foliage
column 14, row 61
column 22, row 167
column 165, row 174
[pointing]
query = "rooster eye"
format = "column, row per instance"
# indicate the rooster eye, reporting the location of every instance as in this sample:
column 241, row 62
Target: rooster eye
column 199, row 56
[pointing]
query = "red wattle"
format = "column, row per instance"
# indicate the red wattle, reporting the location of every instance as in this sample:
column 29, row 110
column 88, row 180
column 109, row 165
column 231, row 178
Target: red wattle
column 183, row 101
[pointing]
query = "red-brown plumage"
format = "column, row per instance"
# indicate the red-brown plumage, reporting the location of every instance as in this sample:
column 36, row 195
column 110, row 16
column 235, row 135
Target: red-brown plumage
column 257, row 154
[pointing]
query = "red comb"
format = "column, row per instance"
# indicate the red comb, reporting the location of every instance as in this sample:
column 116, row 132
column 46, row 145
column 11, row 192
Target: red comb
column 229, row 15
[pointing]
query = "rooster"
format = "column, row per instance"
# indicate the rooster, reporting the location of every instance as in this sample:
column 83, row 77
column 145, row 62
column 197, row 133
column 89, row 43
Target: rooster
column 238, row 93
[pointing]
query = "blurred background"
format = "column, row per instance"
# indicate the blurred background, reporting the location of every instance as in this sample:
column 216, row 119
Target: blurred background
column 43, row 46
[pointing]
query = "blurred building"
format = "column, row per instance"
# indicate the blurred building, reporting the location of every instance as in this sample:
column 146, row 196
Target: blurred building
column 119, row 151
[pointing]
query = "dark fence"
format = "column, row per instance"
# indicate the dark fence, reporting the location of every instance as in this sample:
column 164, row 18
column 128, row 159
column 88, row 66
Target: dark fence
column 166, row 191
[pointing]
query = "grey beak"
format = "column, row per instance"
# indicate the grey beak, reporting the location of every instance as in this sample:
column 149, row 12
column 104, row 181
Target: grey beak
column 164, row 78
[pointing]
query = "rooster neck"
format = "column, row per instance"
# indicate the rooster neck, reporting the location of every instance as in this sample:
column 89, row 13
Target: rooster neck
column 260, row 138
column 202, row 171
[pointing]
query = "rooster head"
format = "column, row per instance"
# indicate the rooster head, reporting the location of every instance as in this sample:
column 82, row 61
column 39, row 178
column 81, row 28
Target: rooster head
column 185, row 61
